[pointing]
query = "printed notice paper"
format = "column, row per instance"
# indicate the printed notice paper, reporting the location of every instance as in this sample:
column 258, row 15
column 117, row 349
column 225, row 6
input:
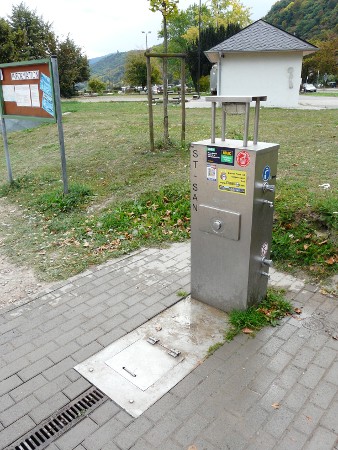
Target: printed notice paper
column 8, row 93
column 45, row 85
column 23, row 95
column 35, row 95
column 47, row 104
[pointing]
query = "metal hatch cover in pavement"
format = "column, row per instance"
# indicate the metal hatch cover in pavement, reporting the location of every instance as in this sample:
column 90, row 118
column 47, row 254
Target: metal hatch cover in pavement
column 141, row 367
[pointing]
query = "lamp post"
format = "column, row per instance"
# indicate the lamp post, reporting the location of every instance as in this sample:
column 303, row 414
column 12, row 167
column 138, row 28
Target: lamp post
column 199, row 52
column 146, row 33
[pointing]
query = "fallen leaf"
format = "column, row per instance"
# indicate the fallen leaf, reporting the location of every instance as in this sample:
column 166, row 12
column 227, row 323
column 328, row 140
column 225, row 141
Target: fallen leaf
column 323, row 242
column 309, row 418
column 158, row 328
column 298, row 311
column 335, row 337
column 331, row 260
column 308, row 236
column 306, row 246
column 275, row 405
column 247, row 330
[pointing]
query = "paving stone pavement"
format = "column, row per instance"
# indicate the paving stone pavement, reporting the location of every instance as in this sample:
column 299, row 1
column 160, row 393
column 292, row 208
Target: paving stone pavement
column 278, row 390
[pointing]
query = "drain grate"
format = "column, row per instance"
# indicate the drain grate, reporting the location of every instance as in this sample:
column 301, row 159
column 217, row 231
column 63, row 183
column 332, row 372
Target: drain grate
column 61, row 421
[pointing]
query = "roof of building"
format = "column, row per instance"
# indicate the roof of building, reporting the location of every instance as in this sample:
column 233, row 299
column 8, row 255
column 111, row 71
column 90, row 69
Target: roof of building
column 261, row 36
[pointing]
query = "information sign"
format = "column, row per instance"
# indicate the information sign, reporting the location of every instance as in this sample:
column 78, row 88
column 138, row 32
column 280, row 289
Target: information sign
column 27, row 90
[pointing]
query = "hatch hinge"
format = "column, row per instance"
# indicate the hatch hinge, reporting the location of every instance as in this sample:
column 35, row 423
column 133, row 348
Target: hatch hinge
column 152, row 340
column 171, row 351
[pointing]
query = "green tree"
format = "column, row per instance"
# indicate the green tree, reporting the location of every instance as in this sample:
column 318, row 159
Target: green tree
column 323, row 61
column 210, row 36
column 73, row 66
column 136, row 70
column 225, row 12
column 96, row 85
column 215, row 13
column 7, row 45
column 183, row 28
column 34, row 38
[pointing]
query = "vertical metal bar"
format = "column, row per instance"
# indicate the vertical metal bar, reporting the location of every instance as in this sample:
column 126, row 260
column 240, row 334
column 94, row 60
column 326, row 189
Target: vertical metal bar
column 258, row 103
column 213, row 120
column 246, row 124
column 183, row 100
column 59, row 122
column 219, row 70
column 150, row 106
column 224, row 116
column 8, row 160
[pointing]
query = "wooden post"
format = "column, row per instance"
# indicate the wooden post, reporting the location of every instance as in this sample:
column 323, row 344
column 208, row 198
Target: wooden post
column 150, row 106
column 151, row 123
column 183, row 100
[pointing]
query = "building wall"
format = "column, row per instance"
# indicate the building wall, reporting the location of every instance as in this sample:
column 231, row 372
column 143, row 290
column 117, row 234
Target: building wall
column 276, row 75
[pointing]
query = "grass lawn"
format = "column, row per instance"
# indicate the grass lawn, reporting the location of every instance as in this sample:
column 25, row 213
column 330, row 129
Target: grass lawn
column 123, row 197
column 322, row 94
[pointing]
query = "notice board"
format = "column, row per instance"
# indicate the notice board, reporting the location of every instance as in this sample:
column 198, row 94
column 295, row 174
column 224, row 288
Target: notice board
column 27, row 90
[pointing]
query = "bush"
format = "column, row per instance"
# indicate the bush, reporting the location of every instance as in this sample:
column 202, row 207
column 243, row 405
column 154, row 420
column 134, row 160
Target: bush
column 57, row 202
column 205, row 83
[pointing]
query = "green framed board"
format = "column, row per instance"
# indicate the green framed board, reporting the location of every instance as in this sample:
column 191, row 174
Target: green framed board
column 27, row 90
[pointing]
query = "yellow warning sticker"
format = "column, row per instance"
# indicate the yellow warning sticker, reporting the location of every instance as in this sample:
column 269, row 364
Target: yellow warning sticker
column 232, row 181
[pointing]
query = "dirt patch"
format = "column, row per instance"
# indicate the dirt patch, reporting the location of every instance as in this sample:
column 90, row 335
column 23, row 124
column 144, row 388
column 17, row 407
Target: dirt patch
column 16, row 282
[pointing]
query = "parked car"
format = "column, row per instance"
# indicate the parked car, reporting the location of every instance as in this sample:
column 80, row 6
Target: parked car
column 332, row 84
column 307, row 87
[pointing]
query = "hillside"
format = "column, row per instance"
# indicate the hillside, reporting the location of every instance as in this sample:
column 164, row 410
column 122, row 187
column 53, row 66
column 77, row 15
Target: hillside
column 109, row 68
column 306, row 19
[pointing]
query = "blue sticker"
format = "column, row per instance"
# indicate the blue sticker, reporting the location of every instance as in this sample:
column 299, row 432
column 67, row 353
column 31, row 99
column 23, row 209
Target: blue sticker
column 266, row 175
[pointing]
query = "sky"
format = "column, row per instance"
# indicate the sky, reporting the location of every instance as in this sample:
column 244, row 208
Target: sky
column 108, row 26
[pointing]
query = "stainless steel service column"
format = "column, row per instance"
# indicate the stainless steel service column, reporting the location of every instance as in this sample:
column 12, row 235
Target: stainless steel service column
column 232, row 195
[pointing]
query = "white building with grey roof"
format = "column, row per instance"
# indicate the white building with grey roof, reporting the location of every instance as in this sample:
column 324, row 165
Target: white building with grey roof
column 261, row 60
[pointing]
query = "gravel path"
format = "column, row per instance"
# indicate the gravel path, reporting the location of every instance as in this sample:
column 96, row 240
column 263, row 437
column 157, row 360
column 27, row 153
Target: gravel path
column 16, row 282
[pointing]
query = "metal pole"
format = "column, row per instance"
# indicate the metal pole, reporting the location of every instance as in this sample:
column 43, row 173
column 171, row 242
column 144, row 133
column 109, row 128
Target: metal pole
column 183, row 100
column 8, row 161
column 213, row 120
column 224, row 117
column 258, row 103
column 246, row 124
column 59, row 122
column 199, row 52
column 150, row 106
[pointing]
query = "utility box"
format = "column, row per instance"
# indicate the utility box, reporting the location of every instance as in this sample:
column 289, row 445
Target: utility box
column 232, row 196
column 213, row 80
